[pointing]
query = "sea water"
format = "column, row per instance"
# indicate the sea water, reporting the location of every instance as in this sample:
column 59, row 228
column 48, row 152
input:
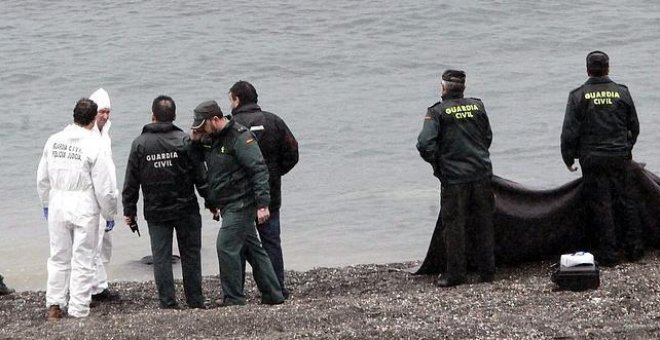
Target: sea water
column 352, row 79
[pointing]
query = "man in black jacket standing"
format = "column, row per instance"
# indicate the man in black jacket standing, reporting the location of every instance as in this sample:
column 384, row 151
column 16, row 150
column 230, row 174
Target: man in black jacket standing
column 160, row 162
column 455, row 139
column 600, row 129
column 280, row 151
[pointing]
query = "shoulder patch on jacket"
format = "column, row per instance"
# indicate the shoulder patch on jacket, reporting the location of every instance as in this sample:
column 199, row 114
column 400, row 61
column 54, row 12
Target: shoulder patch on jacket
column 249, row 141
column 239, row 127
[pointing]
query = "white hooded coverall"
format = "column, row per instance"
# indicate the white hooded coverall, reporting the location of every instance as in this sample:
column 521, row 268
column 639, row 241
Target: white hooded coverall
column 75, row 183
column 104, row 247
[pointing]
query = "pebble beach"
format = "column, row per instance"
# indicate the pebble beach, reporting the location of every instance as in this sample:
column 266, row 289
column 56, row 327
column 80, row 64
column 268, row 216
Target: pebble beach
column 384, row 301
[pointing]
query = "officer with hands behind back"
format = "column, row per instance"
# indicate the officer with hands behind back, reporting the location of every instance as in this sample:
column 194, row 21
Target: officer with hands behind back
column 455, row 139
column 600, row 129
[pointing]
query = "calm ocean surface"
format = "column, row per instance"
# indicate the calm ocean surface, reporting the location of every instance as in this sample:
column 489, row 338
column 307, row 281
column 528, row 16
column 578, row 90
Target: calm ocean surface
column 352, row 79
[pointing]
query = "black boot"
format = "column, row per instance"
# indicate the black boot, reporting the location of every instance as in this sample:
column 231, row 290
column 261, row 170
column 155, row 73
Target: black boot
column 106, row 295
column 487, row 277
column 448, row 281
column 635, row 253
column 4, row 290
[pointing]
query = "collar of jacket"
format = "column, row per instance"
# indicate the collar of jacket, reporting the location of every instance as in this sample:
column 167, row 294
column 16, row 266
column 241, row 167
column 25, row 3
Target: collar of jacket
column 227, row 127
column 598, row 80
column 448, row 96
column 160, row 127
column 246, row 108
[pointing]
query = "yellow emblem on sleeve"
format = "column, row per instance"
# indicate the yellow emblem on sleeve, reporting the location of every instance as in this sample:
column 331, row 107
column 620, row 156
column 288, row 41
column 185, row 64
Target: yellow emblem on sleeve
column 249, row 141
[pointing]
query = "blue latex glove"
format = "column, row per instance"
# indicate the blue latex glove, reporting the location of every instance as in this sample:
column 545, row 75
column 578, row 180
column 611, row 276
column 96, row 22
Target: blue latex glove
column 109, row 225
column 46, row 214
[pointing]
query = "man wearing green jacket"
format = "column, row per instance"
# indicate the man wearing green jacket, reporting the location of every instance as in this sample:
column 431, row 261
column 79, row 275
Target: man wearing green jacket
column 238, row 188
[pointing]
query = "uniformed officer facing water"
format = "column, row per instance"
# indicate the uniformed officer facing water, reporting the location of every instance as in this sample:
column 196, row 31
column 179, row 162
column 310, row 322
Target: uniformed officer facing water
column 238, row 187
column 160, row 163
column 600, row 128
column 455, row 139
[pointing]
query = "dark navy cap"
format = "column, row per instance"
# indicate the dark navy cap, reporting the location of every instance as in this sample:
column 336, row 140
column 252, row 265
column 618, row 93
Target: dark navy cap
column 597, row 60
column 454, row 76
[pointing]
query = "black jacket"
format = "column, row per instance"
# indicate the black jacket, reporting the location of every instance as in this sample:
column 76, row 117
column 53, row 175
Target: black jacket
column 455, row 139
column 600, row 120
column 160, row 162
column 278, row 145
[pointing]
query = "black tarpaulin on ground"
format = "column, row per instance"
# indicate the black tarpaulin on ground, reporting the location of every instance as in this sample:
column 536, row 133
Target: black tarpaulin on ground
column 532, row 225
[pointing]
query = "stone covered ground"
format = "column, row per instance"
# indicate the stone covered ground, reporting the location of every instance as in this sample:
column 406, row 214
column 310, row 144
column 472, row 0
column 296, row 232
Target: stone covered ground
column 372, row 302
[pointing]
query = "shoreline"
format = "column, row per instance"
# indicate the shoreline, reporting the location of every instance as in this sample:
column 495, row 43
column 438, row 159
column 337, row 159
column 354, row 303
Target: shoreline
column 371, row 301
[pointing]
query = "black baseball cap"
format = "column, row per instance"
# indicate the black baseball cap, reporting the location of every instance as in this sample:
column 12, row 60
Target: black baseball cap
column 455, row 76
column 598, row 60
column 204, row 111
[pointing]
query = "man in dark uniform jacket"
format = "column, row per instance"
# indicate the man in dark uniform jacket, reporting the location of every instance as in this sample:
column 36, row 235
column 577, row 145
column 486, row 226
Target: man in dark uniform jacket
column 455, row 139
column 160, row 162
column 600, row 129
column 238, row 188
column 280, row 151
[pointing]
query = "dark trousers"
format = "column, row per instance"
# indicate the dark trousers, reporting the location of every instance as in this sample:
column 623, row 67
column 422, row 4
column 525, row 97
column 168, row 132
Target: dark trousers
column 610, row 192
column 269, row 233
column 237, row 241
column 189, row 237
column 461, row 203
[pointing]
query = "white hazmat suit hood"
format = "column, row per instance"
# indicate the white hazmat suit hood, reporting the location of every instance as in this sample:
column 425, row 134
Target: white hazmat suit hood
column 101, row 98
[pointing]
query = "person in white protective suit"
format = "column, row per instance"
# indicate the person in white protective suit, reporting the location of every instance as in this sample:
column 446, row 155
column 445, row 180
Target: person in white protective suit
column 75, row 184
column 100, row 291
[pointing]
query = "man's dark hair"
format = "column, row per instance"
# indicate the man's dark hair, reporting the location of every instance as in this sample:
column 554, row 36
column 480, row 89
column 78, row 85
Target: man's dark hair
column 598, row 64
column 453, row 87
column 245, row 92
column 84, row 112
column 164, row 108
